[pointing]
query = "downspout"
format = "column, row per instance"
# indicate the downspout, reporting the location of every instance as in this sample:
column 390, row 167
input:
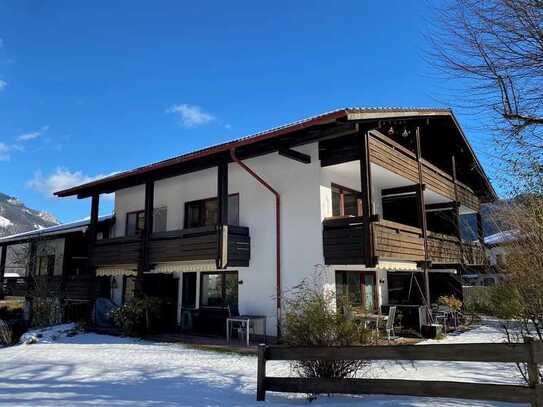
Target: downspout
column 277, row 233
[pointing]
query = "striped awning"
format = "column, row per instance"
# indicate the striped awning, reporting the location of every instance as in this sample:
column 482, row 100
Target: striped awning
column 397, row 266
column 115, row 271
column 183, row 266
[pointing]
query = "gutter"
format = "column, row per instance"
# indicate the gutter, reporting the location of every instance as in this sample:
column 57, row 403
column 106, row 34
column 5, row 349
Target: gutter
column 277, row 233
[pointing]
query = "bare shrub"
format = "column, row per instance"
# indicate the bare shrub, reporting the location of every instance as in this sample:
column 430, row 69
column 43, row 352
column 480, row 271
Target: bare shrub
column 520, row 300
column 310, row 319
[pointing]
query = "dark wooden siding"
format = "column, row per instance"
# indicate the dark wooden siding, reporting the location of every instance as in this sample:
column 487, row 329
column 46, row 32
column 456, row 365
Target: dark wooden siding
column 79, row 287
column 390, row 155
column 119, row 250
column 239, row 246
column 185, row 245
column 343, row 244
column 396, row 241
column 343, row 241
column 193, row 244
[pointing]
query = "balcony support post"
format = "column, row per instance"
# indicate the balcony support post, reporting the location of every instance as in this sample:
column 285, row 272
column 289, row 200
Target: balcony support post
column 92, row 231
column 367, row 201
column 3, row 256
column 222, row 213
column 457, row 213
column 148, row 212
column 480, row 230
column 423, row 225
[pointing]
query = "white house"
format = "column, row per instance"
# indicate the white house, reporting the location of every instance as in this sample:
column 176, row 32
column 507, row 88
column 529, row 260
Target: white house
column 369, row 199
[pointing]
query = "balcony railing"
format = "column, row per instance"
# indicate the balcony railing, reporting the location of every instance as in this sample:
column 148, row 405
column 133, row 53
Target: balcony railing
column 343, row 244
column 343, row 241
column 79, row 287
column 229, row 243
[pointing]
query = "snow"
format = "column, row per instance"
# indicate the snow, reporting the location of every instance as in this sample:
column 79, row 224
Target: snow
column 90, row 369
column 5, row 222
column 49, row 334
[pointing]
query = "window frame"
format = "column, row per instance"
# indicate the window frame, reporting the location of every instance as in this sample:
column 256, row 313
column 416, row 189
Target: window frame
column 49, row 265
column 223, row 288
column 202, row 203
column 142, row 211
column 342, row 190
column 362, row 274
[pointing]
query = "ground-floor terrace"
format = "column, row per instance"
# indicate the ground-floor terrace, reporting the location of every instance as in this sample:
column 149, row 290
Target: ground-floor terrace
column 200, row 301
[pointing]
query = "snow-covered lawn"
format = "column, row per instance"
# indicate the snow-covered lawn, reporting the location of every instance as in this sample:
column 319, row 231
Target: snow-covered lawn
column 92, row 369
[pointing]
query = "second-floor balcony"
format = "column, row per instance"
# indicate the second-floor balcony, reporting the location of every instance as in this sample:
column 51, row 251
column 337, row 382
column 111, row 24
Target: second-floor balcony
column 343, row 240
column 227, row 244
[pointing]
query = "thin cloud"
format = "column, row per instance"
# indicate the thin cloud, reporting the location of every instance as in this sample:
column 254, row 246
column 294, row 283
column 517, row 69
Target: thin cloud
column 4, row 152
column 32, row 135
column 61, row 179
column 3, row 85
column 191, row 115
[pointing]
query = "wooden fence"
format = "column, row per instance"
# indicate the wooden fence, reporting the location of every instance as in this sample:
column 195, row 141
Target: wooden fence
column 530, row 352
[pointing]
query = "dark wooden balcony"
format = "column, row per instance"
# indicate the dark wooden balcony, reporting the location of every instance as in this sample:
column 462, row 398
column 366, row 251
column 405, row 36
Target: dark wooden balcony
column 343, row 244
column 69, row 287
column 231, row 244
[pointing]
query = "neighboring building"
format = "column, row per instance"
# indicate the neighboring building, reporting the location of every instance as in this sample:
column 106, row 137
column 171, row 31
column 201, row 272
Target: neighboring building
column 497, row 247
column 370, row 198
column 50, row 262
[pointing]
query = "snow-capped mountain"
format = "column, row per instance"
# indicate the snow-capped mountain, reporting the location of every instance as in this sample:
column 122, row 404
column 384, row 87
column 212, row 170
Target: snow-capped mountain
column 15, row 217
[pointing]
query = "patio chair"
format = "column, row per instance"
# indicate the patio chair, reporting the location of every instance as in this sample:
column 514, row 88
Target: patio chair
column 442, row 315
column 389, row 319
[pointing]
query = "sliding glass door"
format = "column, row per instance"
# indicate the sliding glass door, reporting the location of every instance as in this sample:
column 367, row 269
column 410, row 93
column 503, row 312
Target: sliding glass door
column 358, row 288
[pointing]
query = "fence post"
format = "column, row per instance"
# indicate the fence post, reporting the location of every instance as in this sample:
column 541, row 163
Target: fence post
column 534, row 379
column 261, row 373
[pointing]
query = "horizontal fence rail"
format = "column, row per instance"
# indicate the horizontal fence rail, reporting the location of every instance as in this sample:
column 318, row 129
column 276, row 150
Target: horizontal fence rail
column 530, row 352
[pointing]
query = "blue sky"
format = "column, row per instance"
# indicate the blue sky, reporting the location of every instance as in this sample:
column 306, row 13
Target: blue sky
column 90, row 88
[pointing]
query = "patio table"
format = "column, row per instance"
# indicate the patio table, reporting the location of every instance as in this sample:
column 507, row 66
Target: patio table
column 245, row 321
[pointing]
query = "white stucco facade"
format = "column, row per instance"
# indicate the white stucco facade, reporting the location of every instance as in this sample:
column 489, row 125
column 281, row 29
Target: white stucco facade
column 306, row 199
column 301, row 237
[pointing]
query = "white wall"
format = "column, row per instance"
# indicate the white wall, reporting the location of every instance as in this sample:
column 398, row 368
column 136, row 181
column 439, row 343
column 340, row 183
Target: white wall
column 301, row 234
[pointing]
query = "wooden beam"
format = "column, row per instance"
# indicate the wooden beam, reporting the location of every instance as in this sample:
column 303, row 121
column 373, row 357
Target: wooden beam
column 444, row 206
column 367, row 201
column 148, row 215
column 422, row 219
column 3, row 256
column 222, row 192
column 222, row 214
column 409, row 189
column 480, row 229
column 295, row 155
column 93, row 224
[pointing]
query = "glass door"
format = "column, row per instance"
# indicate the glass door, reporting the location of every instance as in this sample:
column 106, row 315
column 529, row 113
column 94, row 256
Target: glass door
column 357, row 287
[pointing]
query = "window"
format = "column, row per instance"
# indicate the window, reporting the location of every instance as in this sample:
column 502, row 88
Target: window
column 345, row 201
column 46, row 265
column 204, row 212
column 135, row 221
column 219, row 289
column 402, row 209
column 357, row 287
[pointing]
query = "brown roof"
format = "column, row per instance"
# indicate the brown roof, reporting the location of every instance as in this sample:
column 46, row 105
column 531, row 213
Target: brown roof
column 353, row 113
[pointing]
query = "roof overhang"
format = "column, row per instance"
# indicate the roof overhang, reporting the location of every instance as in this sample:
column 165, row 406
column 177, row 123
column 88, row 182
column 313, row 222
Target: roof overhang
column 210, row 156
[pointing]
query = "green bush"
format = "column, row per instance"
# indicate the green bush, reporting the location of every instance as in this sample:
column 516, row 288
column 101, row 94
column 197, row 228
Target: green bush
column 137, row 318
column 505, row 302
column 310, row 319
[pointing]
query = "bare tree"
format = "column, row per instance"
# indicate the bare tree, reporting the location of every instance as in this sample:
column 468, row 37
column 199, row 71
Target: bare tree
column 494, row 48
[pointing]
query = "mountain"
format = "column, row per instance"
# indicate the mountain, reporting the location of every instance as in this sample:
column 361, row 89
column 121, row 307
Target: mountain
column 15, row 217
